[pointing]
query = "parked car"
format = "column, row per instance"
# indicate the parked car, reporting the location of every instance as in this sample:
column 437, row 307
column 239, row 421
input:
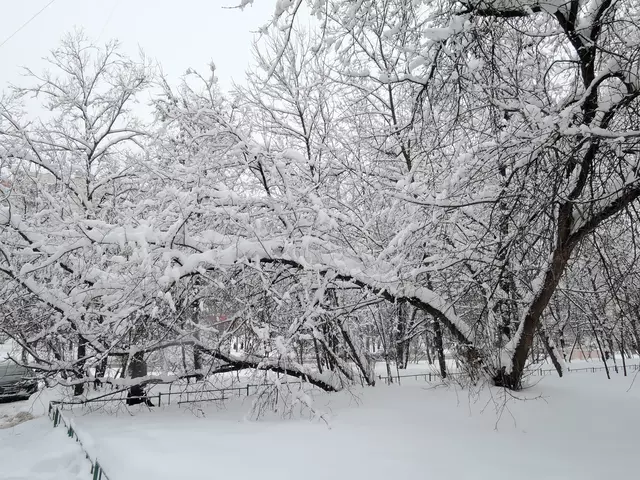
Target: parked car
column 16, row 382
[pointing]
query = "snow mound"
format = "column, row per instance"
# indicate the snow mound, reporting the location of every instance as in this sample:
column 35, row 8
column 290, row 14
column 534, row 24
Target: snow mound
column 7, row 421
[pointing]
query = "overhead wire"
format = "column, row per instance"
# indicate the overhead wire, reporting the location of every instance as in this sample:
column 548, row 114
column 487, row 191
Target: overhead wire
column 108, row 20
column 35, row 15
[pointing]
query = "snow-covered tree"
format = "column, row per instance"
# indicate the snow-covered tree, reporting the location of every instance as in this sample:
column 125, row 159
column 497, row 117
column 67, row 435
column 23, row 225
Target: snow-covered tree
column 402, row 168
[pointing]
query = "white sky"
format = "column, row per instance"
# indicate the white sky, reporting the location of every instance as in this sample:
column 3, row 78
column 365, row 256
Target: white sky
column 177, row 33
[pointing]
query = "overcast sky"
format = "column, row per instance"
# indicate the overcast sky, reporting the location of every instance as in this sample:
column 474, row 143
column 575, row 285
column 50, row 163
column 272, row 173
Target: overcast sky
column 177, row 33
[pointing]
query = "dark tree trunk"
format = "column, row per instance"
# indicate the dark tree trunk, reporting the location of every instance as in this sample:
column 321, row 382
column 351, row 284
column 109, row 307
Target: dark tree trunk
column 636, row 336
column 621, row 345
column 427, row 346
column 137, row 369
column 440, row 348
column 24, row 357
column 407, row 353
column 315, row 349
column 185, row 367
column 512, row 379
column 101, row 370
column 402, row 321
column 124, row 367
column 612, row 351
column 197, row 351
column 602, row 353
column 358, row 358
column 546, row 341
column 197, row 363
column 563, row 344
column 78, row 389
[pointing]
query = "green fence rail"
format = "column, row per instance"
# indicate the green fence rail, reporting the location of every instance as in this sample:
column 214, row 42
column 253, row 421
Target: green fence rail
column 433, row 376
column 164, row 398
column 97, row 472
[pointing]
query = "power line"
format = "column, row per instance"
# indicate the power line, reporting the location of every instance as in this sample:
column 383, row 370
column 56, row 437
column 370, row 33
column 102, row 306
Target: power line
column 113, row 9
column 26, row 23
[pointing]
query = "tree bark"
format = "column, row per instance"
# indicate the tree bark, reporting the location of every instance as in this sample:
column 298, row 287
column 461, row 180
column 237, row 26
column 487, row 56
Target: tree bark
column 359, row 359
column 78, row 388
column 402, row 323
column 137, row 369
column 551, row 351
column 101, row 370
column 442, row 362
column 512, row 378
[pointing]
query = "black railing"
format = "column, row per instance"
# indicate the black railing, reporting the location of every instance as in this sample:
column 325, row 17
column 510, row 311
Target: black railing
column 97, row 472
column 433, row 376
column 160, row 397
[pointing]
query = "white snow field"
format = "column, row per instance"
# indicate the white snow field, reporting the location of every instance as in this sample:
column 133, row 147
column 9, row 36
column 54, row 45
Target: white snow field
column 580, row 427
column 33, row 450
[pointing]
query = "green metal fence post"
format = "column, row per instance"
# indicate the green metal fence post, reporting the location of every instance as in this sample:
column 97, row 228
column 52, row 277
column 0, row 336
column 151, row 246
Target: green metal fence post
column 96, row 471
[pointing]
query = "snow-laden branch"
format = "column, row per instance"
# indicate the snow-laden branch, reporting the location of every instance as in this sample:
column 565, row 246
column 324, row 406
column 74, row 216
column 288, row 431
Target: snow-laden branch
column 376, row 278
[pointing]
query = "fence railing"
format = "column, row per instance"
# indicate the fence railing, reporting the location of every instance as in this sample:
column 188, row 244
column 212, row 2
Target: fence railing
column 162, row 398
column 433, row 376
column 97, row 472
column 62, row 403
column 218, row 393
column 428, row 376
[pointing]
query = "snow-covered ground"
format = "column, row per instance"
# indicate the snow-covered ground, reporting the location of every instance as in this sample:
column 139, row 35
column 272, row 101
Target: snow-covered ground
column 580, row 427
column 33, row 450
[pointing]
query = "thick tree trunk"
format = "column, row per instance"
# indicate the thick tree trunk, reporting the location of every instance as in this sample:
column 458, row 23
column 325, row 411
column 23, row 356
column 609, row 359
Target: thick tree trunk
column 512, row 377
column 137, row 369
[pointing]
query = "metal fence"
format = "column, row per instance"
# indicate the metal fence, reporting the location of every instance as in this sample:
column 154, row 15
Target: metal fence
column 165, row 398
column 58, row 419
column 428, row 377
column 215, row 394
column 433, row 376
